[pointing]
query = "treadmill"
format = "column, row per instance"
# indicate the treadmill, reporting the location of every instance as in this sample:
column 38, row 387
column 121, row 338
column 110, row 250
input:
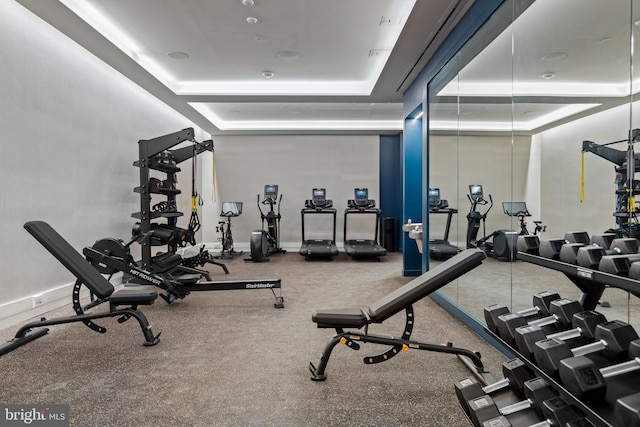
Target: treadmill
column 441, row 249
column 362, row 248
column 318, row 248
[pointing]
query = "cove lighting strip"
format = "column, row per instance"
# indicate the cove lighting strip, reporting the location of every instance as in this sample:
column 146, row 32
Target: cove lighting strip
column 112, row 32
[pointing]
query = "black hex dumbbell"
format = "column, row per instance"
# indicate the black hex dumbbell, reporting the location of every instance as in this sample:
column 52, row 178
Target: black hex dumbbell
column 561, row 313
column 583, row 326
column 483, row 408
column 557, row 412
column 612, row 341
column 582, row 378
column 540, row 307
column 515, row 372
column 627, row 410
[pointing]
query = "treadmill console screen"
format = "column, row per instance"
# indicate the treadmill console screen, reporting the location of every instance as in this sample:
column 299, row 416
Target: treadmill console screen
column 270, row 192
column 319, row 196
column 434, row 197
column 475, row 192
column 361, row 196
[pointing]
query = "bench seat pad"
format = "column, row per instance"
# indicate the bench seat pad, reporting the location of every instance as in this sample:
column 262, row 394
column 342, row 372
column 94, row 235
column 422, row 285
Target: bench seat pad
column 133, row 297
column 340, row 318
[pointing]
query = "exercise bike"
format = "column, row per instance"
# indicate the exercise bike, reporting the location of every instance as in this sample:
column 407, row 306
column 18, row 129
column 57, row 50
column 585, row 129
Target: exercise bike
column 265, row 243
column 519, row 210
column 229, row 210
column 501, row 244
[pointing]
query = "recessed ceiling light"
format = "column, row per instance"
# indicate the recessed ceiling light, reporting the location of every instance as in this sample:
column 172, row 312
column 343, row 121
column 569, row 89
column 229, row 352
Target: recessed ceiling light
column 268, row 74
column 554, row 56
column 548, row 76
column 248, row 2
column 288, row 55
column 176, row 54
column 252, row 20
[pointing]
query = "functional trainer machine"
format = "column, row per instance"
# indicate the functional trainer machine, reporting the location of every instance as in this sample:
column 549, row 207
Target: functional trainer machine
column 627, row 164
column 503, row 244
column 345, row 320
column 318, row 205
column 265, row 243
column 156, row 155
column 89, row 277
column 440, row 249
column 362, row 248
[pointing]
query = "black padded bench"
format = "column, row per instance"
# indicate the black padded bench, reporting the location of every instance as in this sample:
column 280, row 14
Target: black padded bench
column 401, row 299
column 99, row 286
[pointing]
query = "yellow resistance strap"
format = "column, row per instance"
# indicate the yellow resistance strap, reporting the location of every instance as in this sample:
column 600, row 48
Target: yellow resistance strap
column 582, row 181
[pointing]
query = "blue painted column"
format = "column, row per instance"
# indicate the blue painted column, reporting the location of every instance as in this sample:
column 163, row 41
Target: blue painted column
column 412, row 193
column 391, row 185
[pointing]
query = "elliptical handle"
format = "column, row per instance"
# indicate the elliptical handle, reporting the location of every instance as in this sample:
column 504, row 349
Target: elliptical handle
column 258, row 203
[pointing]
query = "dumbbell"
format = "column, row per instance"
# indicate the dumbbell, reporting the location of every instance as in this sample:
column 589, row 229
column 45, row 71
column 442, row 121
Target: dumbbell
column 590, row 256
column 627, row 410
column 573, row 242
column 483, row 409
column 561, row 314
column 540, row 304
column 612, row 340
column 582, row 378
column 583, row 323
column 515, row 372
column 618, row 260
column 557, row 412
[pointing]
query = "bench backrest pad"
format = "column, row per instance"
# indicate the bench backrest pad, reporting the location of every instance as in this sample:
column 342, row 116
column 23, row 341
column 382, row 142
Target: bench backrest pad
column 70, row 258
column 425, row 284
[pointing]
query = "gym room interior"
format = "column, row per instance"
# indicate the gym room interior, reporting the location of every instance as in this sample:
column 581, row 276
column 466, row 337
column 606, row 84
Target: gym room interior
column 164, row 263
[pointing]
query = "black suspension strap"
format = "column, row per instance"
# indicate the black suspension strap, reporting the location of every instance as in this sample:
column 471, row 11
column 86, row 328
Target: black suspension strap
column 196, row 200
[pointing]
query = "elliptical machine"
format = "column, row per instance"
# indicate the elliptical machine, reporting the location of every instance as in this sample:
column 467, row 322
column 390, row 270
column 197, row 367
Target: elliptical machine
column 475, row 218
column 503, row 244
column 265, row 243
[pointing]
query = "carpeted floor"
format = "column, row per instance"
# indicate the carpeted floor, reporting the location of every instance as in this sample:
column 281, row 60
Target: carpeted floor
column 229, row 358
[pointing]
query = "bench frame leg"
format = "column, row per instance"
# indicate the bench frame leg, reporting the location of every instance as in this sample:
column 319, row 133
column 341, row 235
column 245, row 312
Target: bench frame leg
column 351, row 339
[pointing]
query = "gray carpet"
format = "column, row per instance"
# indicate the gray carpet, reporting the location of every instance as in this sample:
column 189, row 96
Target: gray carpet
column 229, row 358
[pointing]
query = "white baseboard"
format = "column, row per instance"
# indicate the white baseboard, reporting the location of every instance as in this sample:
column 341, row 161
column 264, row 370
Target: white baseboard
column 23, row 309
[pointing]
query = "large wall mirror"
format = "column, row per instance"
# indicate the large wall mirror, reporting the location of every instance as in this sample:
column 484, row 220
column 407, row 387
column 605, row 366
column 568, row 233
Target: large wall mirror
column 511, row 112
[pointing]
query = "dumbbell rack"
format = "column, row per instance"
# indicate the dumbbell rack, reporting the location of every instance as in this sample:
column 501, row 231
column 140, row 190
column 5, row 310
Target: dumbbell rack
column 154, row 154
column 592, row 283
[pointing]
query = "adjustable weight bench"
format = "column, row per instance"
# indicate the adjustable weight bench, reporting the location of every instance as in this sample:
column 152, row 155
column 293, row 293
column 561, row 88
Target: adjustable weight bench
column 100, row 287
column 402, row 298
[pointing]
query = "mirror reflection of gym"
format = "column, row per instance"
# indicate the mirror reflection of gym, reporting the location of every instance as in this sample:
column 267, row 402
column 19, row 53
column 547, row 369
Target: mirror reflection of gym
column 511, row 110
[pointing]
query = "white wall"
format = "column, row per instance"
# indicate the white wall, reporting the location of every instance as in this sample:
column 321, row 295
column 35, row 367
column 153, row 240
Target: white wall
column 70, row 126
column 297, row 164
column 561, row 170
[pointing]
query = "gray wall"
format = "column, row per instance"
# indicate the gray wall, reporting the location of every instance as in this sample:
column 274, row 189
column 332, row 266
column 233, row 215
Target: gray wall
column 296, row 163
column 561, row 170
column 501, row 164
column 70, row 126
